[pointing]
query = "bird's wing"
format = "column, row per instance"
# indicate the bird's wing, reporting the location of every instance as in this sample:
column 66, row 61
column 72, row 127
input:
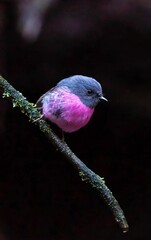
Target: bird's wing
column 39, row 101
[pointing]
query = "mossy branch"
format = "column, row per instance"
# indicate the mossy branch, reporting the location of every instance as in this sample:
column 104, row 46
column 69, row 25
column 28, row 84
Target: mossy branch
column 86, row 174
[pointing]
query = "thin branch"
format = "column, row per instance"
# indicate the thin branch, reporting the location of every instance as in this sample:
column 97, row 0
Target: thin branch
column 86, row 174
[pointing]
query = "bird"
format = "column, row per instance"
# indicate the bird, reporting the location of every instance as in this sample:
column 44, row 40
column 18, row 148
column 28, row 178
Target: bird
column 71, row 103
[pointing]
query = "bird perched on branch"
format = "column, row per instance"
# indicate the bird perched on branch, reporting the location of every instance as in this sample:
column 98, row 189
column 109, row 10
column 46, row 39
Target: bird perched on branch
column 71, row 103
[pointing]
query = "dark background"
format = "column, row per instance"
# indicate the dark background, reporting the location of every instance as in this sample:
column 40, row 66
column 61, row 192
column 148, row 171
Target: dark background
column 41, row 194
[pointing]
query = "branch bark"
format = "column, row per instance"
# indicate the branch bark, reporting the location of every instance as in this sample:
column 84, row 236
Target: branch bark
column 87, row 175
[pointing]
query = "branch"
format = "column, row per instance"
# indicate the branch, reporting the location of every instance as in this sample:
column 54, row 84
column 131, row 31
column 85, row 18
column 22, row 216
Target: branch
column 86, row 174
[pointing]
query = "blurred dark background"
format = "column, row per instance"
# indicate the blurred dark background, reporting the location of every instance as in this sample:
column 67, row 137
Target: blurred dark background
column 41, row 194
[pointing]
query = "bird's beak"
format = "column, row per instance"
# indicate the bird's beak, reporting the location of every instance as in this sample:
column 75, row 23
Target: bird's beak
column 103, row 98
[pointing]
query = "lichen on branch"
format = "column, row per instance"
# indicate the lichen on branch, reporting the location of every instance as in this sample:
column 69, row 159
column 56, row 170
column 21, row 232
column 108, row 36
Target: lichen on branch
column 86, row 174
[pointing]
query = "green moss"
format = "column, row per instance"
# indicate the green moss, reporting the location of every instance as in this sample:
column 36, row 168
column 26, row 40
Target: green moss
column 83, row 176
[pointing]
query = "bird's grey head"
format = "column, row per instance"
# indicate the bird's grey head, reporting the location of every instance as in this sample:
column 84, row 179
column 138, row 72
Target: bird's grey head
column 86, row 88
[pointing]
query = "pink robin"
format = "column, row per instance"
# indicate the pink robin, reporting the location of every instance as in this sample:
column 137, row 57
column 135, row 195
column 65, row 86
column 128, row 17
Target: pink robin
column 71, row 103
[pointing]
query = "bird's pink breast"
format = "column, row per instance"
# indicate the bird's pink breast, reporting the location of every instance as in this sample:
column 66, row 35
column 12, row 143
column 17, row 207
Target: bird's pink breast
column 66, row 110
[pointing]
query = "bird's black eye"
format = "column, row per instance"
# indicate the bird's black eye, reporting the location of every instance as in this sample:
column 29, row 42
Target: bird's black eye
column 89, row 92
